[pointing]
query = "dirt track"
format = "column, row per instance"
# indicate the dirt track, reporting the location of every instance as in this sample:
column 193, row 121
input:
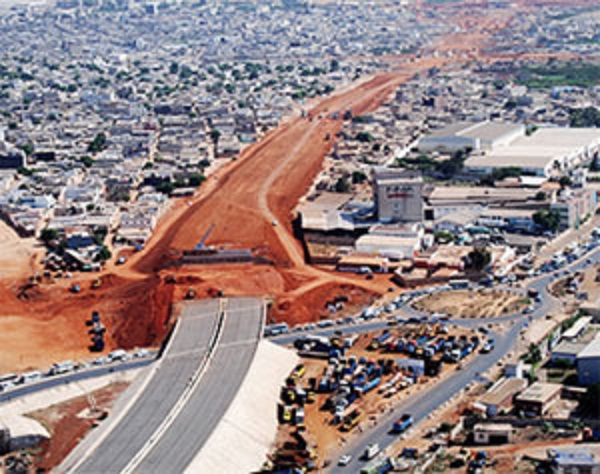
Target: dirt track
column 263, row 185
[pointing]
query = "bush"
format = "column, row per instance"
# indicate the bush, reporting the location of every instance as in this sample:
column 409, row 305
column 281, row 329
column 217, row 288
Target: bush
column 104, row 254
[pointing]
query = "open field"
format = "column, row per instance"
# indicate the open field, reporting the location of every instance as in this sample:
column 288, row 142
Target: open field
column 473, row 304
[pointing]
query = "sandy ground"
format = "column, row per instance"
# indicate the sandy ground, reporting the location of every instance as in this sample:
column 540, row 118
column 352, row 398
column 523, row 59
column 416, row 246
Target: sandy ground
column 473, row 304
column 69, row 422
column 17, row 255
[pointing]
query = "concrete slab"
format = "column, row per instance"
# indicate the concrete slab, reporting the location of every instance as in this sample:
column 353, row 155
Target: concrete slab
column 250, row 423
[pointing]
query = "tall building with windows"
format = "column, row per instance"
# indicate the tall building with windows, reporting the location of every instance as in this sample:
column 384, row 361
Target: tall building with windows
column 398, row 195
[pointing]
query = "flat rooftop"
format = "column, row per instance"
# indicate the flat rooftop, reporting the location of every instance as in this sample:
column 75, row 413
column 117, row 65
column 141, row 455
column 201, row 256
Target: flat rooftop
column 592, row 350
column 517, row 160
column 324, row 212
column 493, row 427
column 503, row 390
column 560, row 137
column 540, row 392
column 479, row 130
column 476, row 194
column 569, row 348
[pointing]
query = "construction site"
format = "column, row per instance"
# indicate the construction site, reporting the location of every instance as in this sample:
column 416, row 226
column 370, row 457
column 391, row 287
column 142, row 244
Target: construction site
column 235, row 237
column 251, row 248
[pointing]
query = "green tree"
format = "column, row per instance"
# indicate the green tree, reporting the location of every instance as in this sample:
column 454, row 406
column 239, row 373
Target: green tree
column 364, row 137
column 166, row 187
column 196, row 179
column 565, row 181
column 548, row 220
column 27, row 148
column 98, row 143
column 103, row 254
column 87, row 161
column 443, row 236
column 342, row 185
column 534, row 354
column 478, row 259
column 24, row 171
column 586, row 117
column 215, row 135
column 358, row 177
column 48, row 235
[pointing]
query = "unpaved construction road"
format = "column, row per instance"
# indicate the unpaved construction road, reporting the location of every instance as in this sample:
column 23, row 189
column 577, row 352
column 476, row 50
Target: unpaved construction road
column 242, row 200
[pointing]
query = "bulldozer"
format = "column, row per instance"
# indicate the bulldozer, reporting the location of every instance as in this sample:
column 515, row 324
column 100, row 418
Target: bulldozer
column 170, row 279
column 190, row 294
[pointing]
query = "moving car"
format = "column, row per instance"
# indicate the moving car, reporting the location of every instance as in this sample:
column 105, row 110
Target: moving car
column 371, row 451
column 402, row 423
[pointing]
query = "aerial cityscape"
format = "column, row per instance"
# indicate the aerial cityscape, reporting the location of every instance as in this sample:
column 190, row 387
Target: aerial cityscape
column 289, row 236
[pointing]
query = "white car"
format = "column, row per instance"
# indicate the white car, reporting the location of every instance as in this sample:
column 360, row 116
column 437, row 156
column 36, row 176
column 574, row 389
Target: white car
column 141, row 353
column 371, row 451
column 118, row 354
column 101, row 361
column 345, row 460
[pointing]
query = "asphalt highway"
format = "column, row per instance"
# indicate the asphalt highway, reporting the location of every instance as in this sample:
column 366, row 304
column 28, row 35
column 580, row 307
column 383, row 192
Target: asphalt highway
column 233, row 356
column 422, row 406
column 217, row 388
column 189, row 347
column 73, row 377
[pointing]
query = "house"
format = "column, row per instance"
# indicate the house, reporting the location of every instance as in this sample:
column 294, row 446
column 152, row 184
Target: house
column 473, row 135
column 538, row 398
column 566, row 352
column 492, row 433
column 500, row 395
column 566, row 460
column 588, row 363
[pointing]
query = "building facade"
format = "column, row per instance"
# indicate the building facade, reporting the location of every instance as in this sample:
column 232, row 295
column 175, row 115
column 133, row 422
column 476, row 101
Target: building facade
column 398, row 195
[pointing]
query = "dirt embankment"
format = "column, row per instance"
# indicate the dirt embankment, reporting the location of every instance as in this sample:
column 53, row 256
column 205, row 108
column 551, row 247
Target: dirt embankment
column 69, row 422
column 47, row 322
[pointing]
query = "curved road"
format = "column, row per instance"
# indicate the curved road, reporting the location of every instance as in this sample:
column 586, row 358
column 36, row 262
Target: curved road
column 421, row 407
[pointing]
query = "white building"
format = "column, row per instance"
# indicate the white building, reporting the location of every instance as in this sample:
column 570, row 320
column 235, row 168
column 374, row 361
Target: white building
column 473, row 135
column 398, row 195
column 548, row 151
